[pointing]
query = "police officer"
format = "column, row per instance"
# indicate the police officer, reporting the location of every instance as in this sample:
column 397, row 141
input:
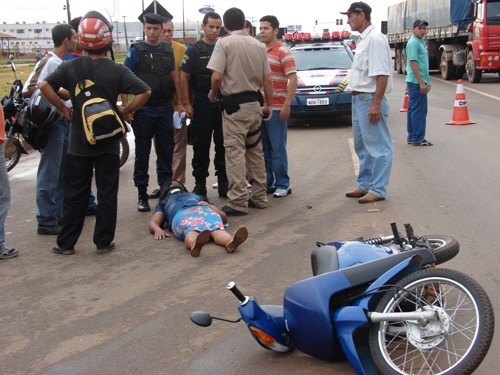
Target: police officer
column 206, row 116
column 240, row 68
column 153, row 62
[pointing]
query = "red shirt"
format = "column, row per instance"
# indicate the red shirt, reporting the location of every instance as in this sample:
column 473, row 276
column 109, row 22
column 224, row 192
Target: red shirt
column 282, row 64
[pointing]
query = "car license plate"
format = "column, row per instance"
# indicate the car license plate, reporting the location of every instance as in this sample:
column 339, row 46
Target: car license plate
column 318, row 101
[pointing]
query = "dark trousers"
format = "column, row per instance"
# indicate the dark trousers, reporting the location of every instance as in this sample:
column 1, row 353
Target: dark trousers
column 157, row 122
column 77, row 184
column 207, row 122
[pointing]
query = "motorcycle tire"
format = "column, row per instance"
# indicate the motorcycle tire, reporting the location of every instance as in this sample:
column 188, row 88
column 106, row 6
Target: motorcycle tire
column 12, row 152
column 455, row 343
column 443, row 247
column 124, row 151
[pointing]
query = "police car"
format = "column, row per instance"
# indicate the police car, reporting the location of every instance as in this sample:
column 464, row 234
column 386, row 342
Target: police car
column 322, row 75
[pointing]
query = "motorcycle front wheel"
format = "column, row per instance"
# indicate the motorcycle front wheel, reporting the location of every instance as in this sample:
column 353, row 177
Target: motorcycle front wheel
column 455, row 343
column 443, row 247
column 124, row 150
column 12, row 153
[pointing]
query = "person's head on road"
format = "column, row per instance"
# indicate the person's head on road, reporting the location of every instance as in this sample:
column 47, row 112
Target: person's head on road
column 249, row 28
column 153, row 27
column 358, row 16
column 167, row 32
column 420, row 28
column 269, row 28
column 211, row 26
column 63, row 35
column 234, row 19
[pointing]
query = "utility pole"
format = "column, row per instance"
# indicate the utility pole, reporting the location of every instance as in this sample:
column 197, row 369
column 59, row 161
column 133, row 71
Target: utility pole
column 66, row 7
column 125, row 28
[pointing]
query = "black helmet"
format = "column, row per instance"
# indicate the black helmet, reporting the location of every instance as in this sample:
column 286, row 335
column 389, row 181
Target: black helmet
column 40, row 112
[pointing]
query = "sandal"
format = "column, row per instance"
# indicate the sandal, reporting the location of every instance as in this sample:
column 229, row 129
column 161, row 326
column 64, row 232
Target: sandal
column 239, row 236
column 201, row 240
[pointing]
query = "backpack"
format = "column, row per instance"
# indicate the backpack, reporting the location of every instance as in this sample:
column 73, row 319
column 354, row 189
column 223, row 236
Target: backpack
column 101, row 122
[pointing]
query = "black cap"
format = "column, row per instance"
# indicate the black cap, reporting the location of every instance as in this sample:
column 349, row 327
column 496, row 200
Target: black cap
column 419, row 22
column 359, row 7
column 153, row 18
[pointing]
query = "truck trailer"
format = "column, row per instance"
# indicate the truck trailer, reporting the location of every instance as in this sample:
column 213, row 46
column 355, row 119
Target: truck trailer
column 463, row 36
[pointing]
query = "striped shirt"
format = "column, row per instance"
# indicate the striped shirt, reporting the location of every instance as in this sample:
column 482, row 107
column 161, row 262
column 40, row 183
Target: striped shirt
column 282, row 64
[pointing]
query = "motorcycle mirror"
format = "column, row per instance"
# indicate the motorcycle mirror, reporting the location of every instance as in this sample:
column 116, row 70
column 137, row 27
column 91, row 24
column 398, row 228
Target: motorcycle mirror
column 201, row 318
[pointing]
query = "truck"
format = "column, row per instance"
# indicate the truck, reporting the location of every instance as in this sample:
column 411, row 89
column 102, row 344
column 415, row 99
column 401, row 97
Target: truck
column 463, row 36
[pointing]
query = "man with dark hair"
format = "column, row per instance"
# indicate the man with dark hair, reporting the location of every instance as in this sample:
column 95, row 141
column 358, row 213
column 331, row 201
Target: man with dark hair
column 249, row 28
column 50, row 176
column 370, row 80
column 205, row 115
column 102, row 159
column 240, row 68
column 153, row 62
column 274, row 131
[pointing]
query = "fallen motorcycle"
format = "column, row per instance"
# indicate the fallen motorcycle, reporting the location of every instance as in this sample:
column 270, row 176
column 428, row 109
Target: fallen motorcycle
column 12, row 106
column 387, row 309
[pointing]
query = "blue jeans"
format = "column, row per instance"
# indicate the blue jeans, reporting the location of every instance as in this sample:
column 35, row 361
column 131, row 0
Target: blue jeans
column 50, row 176
column 417, row 113
column 157, row 122
column 274, row 136
column 373, row 145
column 4, row 196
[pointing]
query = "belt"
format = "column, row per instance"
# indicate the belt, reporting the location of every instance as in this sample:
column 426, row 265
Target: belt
column 354, row 93
column 243, row 97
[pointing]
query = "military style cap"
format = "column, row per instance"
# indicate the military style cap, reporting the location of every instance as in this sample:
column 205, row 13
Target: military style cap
column 358, row 7
column 153, row 18
column 419, row 22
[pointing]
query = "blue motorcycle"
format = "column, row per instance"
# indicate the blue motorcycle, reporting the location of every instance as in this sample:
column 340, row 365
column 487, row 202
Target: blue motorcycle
column 382, row 305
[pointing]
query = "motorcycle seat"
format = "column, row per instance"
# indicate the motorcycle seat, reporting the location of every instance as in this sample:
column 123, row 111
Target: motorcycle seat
column 324, row 259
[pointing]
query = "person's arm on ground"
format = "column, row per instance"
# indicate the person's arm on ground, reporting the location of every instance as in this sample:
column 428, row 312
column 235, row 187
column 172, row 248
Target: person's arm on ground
column 155, row 226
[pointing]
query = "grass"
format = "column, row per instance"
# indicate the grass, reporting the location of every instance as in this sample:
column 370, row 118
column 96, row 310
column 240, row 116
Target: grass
column 23, row 71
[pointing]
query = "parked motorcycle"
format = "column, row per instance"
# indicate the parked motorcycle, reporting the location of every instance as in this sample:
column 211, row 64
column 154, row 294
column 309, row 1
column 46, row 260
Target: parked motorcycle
column 12, row 106
column 124, row 147
column 387, row 309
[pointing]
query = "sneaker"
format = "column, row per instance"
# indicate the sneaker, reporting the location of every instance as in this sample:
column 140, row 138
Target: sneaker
column 105, row 249
column 42, row 229
column 280, row 193
column 423, row 143
column 56, row 249
column 8, row 252
column 216, row 185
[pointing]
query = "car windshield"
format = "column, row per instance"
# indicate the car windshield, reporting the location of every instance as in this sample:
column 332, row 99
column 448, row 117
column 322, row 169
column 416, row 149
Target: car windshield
column 322, row 58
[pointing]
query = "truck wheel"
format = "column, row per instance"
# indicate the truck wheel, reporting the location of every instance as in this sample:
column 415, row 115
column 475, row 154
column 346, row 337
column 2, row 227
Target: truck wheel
column 403, row 61
column 397, row 61
column 446, row 67
column 473, row 74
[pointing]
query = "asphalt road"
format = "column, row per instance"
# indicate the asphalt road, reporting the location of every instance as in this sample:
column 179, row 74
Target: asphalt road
column 127, row 312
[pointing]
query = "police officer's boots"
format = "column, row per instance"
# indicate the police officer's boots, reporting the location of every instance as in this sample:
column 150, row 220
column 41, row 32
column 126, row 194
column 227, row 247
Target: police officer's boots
column 223, row 185
column 143, row 203
column 200, row 186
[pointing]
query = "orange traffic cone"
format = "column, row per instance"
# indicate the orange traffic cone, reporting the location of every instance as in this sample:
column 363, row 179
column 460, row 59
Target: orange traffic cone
column 405, row 103
column 460, row 112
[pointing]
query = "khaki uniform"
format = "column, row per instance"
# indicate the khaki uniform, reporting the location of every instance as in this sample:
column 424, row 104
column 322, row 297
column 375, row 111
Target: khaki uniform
column 243, row 62
column 180, row 135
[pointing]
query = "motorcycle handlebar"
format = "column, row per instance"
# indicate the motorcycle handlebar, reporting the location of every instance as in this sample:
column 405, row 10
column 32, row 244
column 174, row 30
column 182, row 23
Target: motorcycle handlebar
column 232, row 287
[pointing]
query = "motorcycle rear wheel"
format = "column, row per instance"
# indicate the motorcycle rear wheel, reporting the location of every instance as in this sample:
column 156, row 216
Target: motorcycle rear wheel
column 454, row 344
column 443, row 247
column 124, row 150
column 12, row 152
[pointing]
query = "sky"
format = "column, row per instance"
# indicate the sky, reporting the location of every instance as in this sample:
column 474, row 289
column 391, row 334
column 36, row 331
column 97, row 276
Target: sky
column 323, row 11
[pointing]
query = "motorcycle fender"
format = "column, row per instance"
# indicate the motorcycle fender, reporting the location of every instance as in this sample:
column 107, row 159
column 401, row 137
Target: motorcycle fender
column 391, row 276
column 17, row 141
column 346, row 321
